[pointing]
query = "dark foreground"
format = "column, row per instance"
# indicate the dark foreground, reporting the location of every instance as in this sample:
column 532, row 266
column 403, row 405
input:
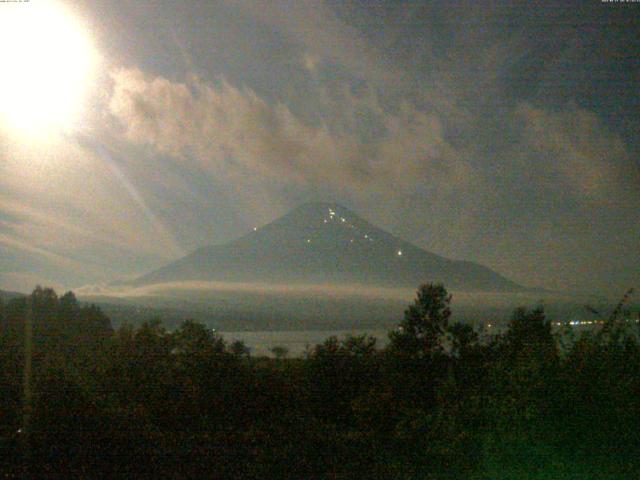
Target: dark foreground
column 146, row 403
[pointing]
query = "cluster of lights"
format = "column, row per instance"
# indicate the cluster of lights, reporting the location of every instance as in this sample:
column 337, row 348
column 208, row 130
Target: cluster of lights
column 575, row 323
column 333, row 216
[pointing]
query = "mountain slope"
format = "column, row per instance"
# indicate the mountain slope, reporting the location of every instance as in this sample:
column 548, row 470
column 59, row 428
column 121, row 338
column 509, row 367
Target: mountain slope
column 328, row 244
column 5, row 296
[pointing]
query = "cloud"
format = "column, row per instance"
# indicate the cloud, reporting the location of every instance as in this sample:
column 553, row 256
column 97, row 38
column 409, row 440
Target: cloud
column 65, row 214
column 8, row 242
column 25, row 282
column 315, row 27
column 327, row 290
column 311, row 62
column 234, row 134
column 585, row 155
column 445, row 125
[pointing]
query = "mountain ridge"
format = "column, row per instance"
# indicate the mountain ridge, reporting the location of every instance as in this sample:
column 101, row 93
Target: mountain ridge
column 321, row 242
column 6, row 295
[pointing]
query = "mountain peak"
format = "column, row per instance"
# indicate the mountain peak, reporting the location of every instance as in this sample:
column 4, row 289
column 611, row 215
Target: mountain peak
column 326, row 243
column 314, row 215
column 321, row 208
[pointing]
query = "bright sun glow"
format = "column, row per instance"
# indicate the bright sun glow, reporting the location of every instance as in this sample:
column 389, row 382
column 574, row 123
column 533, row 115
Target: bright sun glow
column 47, row 61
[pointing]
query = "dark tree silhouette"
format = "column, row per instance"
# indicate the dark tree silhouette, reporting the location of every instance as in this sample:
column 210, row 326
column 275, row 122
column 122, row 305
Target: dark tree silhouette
column 463, row 338
column 280, row 352
column 239, row 348
column 438, row 403
column 425, row 322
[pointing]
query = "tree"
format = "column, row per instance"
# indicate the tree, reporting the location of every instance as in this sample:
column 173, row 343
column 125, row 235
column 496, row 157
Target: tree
column 530, row 334
column 359, row 345
column 523, row 378
column 68, row 305
column 463, row 338
column 195, row 338
column 239, row 349
column 280, row 352
column 425, row 322
column 1, row 315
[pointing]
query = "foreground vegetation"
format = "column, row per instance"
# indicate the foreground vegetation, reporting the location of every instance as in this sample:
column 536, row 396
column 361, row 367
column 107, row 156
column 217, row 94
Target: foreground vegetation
column 437, row 403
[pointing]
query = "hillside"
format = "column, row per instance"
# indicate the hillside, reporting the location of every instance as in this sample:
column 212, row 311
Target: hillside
column 5, row 296
column 319, row 243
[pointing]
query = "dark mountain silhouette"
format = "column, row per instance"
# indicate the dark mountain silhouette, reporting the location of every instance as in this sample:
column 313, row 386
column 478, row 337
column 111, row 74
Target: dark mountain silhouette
column 321, row 243
column 6, row 296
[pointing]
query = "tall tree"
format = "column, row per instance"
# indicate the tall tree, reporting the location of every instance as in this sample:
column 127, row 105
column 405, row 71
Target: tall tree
column 425, row 322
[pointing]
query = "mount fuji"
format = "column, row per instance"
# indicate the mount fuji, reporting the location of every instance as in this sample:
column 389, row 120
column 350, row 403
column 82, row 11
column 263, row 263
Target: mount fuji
column 323, row 243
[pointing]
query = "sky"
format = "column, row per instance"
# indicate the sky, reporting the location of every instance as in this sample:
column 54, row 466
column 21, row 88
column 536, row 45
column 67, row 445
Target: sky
column 505, row 133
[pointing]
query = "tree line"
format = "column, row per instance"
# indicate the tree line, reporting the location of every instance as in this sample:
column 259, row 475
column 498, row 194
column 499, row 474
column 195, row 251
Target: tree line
column 438, row 402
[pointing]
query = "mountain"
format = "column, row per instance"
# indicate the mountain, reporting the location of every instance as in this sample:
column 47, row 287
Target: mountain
column 321, row 243
column 6, row 296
